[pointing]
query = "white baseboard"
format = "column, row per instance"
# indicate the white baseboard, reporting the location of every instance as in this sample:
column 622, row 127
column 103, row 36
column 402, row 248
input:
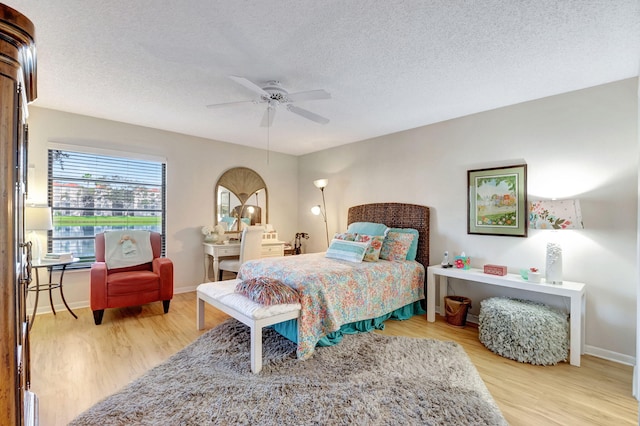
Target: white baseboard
column 45, row 308
column 609, row 355
column 187, row 289
column 588, row 350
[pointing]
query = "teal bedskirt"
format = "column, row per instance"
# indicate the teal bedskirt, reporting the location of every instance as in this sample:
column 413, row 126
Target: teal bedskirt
column 289, row 329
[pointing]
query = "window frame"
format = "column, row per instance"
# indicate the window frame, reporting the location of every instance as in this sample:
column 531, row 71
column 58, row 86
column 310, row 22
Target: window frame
column 85, row 261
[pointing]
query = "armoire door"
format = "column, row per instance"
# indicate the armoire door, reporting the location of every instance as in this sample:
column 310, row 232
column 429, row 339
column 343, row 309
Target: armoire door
column 18, row 406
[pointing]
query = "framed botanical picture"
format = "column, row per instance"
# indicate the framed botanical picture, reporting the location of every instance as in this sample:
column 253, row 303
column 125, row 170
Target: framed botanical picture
column 498, row 201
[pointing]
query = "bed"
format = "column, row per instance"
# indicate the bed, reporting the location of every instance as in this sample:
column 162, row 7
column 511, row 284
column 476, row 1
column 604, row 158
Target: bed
column 340, row 297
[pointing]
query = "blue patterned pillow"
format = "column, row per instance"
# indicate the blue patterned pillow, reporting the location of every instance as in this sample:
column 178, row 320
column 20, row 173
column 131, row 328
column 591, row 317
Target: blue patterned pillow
column 375, row 245
column 396, row 246
column 351, row 251
column 413, row 249
column 345, row 236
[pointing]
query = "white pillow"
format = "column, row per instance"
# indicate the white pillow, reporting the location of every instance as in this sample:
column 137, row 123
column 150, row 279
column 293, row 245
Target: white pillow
column 351, row 251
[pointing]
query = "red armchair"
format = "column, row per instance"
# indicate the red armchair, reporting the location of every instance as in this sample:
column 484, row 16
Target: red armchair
column 130, row 286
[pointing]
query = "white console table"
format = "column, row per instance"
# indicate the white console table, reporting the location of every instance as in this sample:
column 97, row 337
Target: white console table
column 572, row 290
column 270, row 248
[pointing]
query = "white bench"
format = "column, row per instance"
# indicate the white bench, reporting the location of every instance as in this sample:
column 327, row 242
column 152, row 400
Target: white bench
column 222, row 295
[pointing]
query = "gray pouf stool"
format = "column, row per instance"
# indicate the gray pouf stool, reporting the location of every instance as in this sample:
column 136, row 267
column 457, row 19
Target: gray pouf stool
column 524, row 331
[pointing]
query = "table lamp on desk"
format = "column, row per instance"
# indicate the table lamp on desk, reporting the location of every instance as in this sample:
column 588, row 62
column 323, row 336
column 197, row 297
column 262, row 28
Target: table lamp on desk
column 37, row 218
column 555, row 215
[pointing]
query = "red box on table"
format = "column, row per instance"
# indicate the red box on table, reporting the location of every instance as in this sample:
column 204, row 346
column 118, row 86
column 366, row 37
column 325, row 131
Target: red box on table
column 495, row 270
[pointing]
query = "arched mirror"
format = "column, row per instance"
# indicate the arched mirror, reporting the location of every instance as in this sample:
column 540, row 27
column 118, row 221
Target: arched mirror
column 241, row 197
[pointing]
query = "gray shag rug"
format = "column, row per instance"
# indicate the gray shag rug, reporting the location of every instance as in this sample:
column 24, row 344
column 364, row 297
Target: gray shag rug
column 367, row 379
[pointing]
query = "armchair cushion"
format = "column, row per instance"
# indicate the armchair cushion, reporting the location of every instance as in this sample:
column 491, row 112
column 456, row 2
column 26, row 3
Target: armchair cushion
column 138, row 281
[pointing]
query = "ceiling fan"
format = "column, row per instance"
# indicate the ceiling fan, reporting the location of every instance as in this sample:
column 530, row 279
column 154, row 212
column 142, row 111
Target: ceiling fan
column 273, row 94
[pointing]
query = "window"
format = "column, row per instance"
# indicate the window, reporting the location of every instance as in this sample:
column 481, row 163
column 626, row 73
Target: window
column 91, row 193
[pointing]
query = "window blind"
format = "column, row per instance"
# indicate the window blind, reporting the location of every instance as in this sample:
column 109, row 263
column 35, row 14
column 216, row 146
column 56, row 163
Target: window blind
column 91, row 193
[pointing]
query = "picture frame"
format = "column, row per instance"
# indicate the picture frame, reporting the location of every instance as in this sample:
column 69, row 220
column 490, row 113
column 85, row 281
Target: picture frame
column 497, row 201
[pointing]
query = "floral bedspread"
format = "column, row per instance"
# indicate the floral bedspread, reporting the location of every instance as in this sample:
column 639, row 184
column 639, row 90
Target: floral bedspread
column 336, row 292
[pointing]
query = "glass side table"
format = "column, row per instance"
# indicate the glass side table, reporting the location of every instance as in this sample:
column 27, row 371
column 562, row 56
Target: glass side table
column 60, row 265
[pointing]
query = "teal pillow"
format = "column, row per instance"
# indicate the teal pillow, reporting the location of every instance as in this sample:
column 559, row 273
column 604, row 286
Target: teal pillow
column 367, row 228
column 413, row 249
column 351, row 251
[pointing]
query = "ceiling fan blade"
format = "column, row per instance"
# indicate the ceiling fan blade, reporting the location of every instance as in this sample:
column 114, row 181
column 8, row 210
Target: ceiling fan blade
column 226, row 104
column 267, row 118
column 308, row 114
column 310, row 95
column 249, row 85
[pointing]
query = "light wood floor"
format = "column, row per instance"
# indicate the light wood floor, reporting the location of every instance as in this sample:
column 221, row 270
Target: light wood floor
column 76, row 363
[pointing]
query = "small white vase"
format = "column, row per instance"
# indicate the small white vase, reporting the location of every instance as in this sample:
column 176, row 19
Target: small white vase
column 211, row 238
column 535, row 277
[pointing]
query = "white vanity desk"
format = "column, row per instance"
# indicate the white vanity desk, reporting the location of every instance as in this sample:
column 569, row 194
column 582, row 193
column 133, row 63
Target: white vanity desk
column 270, row 248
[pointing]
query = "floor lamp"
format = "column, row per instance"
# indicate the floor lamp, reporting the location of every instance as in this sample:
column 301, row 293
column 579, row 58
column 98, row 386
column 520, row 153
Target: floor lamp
column 321, row 184
column 37, row 218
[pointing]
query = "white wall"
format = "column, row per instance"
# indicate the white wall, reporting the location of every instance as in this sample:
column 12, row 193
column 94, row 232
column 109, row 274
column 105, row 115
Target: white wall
column 193, row 167
column 581, row 144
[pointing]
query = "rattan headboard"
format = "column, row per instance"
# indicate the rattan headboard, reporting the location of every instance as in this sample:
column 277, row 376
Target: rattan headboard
column 397, row 215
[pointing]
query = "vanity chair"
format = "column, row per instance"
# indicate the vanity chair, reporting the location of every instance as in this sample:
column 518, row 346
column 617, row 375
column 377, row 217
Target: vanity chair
column 250, row 248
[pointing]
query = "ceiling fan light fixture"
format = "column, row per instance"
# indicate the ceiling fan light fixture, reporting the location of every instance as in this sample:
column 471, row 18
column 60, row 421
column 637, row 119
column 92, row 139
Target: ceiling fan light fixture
column 273, row 94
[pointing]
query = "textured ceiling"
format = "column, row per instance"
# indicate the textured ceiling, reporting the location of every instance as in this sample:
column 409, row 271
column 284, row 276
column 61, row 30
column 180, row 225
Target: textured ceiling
column 389, row 65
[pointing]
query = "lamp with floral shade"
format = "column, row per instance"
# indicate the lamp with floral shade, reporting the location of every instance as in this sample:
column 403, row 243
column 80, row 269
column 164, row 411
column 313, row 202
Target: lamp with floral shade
column 555, row 215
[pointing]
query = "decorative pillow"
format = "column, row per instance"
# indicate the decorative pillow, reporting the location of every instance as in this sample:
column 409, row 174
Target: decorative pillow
column 267, row 291
column 396, row 246
column 413, row 250
column 367, row 228
column 351, row 251
column 345, row 236
column 375, row 245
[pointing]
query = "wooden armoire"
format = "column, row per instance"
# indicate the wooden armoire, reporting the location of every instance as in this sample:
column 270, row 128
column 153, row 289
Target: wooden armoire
column 18, row 405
